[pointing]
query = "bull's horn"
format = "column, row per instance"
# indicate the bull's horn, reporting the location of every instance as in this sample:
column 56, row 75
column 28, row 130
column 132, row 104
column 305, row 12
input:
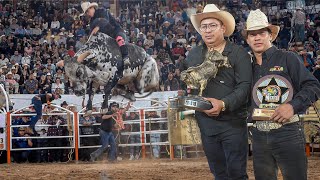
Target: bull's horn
column 60, row 63
column 82, row 56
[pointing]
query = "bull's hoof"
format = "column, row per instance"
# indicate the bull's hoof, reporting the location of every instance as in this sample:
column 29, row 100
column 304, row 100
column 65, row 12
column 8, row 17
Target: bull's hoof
column 103, row 111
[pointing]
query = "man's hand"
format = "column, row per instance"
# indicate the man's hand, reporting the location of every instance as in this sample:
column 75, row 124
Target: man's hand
column 283, row 113
column 95, row 30
column 217, row 106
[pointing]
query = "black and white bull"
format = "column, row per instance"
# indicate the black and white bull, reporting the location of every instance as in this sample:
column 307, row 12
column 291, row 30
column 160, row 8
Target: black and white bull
column 99, row 59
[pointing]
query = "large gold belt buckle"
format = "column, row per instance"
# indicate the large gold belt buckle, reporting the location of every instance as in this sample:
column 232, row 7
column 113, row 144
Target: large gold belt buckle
column 269, row 125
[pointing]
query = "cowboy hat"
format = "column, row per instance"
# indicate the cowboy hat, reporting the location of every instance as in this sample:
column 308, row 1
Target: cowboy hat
column 211, row 11
column 258, row 20
column 56, row 110
column 86, row 5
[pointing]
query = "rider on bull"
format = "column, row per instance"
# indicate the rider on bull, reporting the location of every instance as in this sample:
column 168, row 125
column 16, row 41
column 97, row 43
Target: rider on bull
column 102, row 20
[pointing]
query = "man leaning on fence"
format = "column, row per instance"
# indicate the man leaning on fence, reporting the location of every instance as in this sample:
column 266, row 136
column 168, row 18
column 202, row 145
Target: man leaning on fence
column 223, row 128
column 282, row 83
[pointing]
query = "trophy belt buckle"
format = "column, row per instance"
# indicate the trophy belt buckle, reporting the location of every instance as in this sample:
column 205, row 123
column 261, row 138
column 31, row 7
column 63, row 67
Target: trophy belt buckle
column 267, row 125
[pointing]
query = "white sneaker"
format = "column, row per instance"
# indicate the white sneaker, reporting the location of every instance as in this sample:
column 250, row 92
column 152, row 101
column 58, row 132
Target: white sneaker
column 131, row 157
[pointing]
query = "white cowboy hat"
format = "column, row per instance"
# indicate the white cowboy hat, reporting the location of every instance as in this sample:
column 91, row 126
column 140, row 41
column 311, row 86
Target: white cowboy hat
column 211, row 11
column 86, row 5
column 258, row 20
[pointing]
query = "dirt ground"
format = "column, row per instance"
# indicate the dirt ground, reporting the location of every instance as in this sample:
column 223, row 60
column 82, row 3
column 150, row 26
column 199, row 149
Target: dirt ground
column 139, row 169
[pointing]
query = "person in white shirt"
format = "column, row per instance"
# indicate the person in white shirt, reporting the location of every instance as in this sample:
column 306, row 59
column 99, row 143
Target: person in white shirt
column 58, row 86
column 26, row 59
column 55, row 25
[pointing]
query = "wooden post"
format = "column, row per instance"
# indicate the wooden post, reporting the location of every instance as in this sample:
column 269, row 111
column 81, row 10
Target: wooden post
column 307, row 149
column 143, row 147
column 171, row 152
column 76, row 135
column 8, row 128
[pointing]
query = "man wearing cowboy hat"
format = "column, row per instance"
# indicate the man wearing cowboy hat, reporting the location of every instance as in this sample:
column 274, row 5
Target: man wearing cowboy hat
column 223, row 128
column 283, row 84
column 101, row 20
column 298, row 23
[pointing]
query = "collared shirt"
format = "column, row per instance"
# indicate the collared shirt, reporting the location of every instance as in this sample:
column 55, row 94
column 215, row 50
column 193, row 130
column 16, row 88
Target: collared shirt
column 231, row 85
column 306, row 88
column 299, row 18
column 87, row 129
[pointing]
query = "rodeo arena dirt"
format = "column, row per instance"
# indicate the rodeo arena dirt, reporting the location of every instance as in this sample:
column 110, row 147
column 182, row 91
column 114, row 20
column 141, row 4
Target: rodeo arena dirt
column 67, row 113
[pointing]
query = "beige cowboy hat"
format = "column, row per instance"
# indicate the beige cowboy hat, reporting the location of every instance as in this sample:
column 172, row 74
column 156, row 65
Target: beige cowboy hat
column 258, row 20
column 86, row 5
column 212, row 11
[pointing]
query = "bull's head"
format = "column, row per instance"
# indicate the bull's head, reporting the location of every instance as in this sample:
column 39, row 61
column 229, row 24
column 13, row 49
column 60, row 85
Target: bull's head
column 76, row 72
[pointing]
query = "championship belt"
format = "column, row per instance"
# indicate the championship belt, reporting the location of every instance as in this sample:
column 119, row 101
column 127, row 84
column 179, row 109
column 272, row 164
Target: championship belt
column 268, row 93
column 194, row 102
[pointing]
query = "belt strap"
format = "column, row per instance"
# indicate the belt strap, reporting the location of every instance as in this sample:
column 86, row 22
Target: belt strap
column 269, row 125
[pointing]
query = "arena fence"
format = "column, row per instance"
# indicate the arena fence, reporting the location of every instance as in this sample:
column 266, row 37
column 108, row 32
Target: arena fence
column 70, row 125
column 74, row 135
column 144, row 126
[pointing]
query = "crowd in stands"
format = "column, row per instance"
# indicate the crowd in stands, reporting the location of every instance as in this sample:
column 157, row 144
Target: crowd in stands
column 36, row 35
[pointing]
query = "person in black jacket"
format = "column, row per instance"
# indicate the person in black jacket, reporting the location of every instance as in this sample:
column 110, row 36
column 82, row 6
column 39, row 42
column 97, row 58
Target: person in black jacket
column 223, row 128
column 102, row 20
column 282, row 83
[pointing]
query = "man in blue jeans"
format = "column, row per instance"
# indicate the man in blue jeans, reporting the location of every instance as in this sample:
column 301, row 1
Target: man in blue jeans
column 37, row 102
column 106, row 135
column 283, row 84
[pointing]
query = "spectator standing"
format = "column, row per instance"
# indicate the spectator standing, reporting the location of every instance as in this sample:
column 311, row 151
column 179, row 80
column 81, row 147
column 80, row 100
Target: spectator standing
column 298, row 23
column 134, row 138
column 87, row 128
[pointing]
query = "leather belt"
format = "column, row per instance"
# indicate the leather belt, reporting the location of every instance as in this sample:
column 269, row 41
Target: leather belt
column 270, row 125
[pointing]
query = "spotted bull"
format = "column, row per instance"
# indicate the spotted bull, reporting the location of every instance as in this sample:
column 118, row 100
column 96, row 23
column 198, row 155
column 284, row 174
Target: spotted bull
column 95, row 64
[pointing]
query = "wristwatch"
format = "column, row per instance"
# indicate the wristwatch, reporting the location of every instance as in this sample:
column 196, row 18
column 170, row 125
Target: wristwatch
column 223, row 106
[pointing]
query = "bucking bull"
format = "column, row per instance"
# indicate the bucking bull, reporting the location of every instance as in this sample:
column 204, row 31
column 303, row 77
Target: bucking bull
column 95, row 65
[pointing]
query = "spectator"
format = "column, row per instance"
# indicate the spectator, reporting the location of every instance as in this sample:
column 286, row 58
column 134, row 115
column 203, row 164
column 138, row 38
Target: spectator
column 16, row 58
column 71, row 52
column 134, row 138
column 3, row 60
column 56, row 155
column 12, row 86
column 153, row 125
column 22, row 156
column 283, row 37
column 55, row 25
column 87, row 128
column 31, row 85
column 171, row 84
column 298, row 22
column 149, row 41
column 16, row 76
column 59, row 74
column 58, row 86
